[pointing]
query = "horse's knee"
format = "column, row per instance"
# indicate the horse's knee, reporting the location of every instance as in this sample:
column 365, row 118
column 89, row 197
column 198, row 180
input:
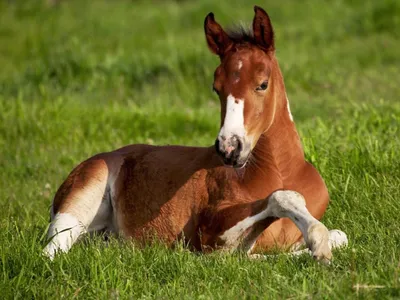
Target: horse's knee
column 284, row 200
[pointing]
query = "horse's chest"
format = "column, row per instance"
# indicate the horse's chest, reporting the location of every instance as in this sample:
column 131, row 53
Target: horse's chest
column 230, row 203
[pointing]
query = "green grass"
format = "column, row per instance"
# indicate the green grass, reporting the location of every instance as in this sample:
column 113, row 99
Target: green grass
column 91, row 76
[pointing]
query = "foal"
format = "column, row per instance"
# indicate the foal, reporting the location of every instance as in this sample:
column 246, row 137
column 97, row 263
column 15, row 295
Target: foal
column 252, row 191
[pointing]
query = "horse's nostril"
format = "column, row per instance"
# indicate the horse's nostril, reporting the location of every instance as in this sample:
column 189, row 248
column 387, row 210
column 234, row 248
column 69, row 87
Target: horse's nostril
column 229, row 149
column 236, row 143
column 238, row 148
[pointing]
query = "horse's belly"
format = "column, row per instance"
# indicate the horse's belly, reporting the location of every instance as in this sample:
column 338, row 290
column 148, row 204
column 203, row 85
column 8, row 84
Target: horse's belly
column 166, row 209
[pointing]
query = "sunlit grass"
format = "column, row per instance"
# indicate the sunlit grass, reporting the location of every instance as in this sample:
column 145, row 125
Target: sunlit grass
column 90, row 76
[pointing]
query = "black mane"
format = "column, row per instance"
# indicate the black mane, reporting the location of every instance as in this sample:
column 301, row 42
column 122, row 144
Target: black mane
column 240, row 34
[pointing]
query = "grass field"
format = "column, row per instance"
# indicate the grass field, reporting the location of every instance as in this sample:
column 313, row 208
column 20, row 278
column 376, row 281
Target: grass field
column 90, row 76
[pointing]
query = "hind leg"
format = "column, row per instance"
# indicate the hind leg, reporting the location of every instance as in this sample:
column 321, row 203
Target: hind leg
column 66, row 228
column 63, row 232
column 81, row 205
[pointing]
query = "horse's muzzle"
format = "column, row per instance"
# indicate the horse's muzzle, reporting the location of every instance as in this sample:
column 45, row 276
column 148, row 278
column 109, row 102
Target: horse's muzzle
column 230, row 150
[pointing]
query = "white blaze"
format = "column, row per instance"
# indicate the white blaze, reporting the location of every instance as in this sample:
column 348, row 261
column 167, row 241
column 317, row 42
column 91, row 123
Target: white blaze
column 234, row 118
column 239, row 66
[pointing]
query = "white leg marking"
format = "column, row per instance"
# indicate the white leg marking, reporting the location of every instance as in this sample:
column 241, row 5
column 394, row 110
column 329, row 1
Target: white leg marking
column 103, row 217
column 232, row 236
column 286, row 204
column 90, row 210
column 288, row 108
column 240, row 64
column 64, row 230
column 292, row 205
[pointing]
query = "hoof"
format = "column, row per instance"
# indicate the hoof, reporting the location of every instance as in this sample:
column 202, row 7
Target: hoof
column 50, row 251
column 318, row 243
column 257, row 256
column 337, row 239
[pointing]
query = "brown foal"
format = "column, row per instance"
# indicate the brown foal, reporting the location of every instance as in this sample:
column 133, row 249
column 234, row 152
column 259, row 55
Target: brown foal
column 252, row 190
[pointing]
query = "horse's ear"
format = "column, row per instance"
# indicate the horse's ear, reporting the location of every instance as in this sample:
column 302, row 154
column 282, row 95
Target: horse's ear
column 217, row 39
column 262, row 29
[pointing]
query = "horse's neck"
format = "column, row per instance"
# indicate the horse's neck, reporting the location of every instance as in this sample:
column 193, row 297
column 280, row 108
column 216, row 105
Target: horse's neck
column 277, row 154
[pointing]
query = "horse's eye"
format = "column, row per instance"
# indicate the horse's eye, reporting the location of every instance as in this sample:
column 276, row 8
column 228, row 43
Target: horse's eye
column 263, row 86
